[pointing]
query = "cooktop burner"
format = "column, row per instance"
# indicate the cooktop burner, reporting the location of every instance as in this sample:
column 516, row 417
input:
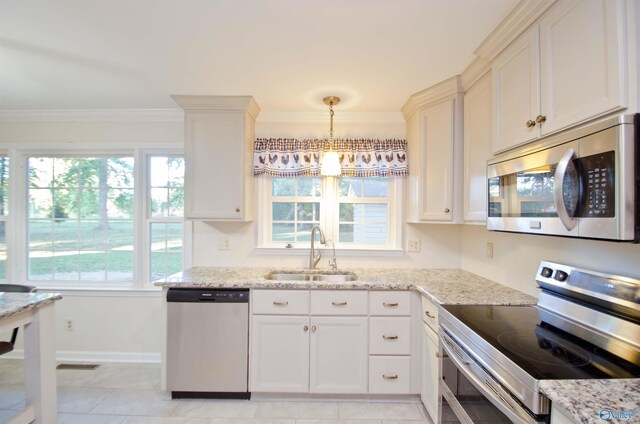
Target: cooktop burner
column 543, row 351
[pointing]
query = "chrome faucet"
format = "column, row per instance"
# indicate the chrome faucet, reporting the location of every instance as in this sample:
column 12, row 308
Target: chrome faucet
column 333, row 262
column 313, row 257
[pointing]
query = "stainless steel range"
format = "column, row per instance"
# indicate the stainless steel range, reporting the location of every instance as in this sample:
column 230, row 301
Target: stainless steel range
column 586, row 325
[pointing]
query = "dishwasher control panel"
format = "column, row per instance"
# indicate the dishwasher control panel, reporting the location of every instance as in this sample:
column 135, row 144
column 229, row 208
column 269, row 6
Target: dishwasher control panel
column 208, row 295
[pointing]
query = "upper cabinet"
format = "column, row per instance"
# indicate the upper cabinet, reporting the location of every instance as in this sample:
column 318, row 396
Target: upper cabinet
column 219, row 134
column 434, row 143
column 567, row 68
column 477, row 149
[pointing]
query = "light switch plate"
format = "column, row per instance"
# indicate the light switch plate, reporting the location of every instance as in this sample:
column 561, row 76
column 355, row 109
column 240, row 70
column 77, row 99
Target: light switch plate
column 224, row 244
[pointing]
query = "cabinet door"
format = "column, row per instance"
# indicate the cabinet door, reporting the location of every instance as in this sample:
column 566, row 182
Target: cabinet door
column 581, row 46
column 215, row 168
column 436, row 137
column 279, row 354
column 430, row 373
column 477, row 149
column 516, row 88
column 339, row 355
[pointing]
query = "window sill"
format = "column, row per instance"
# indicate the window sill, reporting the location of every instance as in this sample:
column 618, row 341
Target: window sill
column 304, row 251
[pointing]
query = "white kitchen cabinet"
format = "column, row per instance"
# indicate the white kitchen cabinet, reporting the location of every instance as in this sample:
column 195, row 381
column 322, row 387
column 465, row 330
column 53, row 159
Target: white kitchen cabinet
column 430, row 377
column 434, row 137
column 390, row 375
column 338, row 355
column 219, row 134
column 477, row 148
column 279, row 354
column 566, row 69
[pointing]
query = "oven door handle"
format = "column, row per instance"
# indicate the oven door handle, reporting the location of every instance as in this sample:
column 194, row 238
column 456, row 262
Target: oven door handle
column 558, row 195
column 471, row 370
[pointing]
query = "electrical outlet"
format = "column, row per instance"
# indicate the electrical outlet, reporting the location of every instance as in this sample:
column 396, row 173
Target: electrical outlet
column 414, row 246
column 489, row 250
column 224, row 244
column 68, row 324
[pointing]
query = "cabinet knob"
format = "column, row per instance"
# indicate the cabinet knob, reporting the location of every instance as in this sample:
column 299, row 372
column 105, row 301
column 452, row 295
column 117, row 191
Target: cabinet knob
column 237, row 209
column 437, row 354
column 540, row 119
column 313, row 328
column 446, row 210
column 306, row 328
column 530, row 123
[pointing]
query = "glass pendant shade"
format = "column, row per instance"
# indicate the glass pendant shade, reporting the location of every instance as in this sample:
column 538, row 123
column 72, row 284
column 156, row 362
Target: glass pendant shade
column 330, row 164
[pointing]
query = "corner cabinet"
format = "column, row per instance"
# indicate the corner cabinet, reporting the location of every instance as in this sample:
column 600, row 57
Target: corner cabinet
column 477, row 148
column 219, row 134
column 565, row 70
column 434, row 138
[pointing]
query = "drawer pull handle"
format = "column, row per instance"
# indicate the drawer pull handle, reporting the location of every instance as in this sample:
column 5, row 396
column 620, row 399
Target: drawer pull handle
column 390, row 337
column 280, row 303
column 429, row 315
column 390, row 377
column 339, row 303
column 390, row 305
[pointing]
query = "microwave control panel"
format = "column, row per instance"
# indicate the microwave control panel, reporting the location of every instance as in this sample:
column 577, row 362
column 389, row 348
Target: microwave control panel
column 598, row 174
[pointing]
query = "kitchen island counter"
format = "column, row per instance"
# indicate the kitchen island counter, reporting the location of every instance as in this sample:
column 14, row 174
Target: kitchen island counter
column 443, row 286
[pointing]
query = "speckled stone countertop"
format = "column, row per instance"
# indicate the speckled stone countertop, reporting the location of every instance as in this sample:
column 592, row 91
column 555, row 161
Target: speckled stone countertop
column 596, row 401
column 445, row 286
column 14, row 303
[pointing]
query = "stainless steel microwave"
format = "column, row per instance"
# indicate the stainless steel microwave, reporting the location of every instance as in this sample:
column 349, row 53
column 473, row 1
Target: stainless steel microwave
column 581, row 183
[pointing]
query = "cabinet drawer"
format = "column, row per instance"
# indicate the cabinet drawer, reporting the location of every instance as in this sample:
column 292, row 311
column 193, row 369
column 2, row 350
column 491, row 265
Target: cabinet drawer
column 339, row 302
column 430, row 313
column 390, row 303
column 390, row 336
column 280, row 302
column 389, row 374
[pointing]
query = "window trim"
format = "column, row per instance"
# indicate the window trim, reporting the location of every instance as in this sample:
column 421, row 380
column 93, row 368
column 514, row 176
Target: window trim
column 17, row 238
column 329, row 224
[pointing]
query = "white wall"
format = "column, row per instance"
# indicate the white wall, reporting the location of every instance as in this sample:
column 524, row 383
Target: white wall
column 516, row 256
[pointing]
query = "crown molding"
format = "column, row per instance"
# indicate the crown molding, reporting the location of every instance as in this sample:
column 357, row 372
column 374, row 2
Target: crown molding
column 93, row 115
column 318, row 117
column 445, row 89
column 476, row 70
column 521, row 17
column 245, row 103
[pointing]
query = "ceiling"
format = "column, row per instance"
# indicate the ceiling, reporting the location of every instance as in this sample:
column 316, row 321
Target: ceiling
column 288, row 54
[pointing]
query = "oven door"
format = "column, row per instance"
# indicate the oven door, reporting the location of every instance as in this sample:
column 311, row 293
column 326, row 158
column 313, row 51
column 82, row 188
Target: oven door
column 472, row 394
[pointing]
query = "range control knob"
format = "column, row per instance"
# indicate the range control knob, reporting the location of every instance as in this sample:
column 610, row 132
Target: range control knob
column 546, row 272
column 561, row 276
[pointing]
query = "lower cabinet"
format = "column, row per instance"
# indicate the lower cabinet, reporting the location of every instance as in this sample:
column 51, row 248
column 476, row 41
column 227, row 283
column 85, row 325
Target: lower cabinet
column 280, row 354
column 338, row 356
column 430, row 372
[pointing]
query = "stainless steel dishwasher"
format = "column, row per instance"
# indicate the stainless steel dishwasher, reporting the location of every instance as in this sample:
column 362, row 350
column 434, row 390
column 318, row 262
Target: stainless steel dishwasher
column 208, row 343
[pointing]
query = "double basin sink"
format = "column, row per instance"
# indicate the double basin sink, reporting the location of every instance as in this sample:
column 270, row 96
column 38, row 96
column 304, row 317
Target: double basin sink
column 331, row 276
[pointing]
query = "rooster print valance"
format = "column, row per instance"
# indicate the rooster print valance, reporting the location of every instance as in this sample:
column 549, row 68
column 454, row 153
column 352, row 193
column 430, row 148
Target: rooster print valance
column 359, row 158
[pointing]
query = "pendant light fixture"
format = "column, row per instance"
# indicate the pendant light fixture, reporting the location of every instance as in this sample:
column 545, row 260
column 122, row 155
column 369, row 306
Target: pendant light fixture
column 330, row 161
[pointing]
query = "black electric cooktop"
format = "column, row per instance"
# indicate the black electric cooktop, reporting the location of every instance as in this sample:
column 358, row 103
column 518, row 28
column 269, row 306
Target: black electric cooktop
column 543, row 351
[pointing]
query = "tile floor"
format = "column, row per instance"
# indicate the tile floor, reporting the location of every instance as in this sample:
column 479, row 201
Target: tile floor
column 130, row 394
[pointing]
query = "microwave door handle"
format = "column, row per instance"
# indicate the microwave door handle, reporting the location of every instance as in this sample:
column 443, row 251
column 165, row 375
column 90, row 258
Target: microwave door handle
column 558, row 183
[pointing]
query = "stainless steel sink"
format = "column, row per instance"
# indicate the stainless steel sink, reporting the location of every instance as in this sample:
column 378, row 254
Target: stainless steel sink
column 312, row 276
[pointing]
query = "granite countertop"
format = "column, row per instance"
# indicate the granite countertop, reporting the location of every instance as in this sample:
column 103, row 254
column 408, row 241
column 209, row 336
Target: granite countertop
column 596, row 401
column 436, row 284
column 14, row 303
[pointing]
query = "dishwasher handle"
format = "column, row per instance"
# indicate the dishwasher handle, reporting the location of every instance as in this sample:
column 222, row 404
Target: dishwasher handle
column 199, row 295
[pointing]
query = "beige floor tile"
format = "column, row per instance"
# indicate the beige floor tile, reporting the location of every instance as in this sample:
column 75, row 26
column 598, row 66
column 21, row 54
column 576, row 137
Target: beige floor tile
column 74, row 378
column 378, row 411
column 64, row 418
column 125, row 378
column 10, row 396
column 153, row 403
column 308, row 421
column 251, row 421
column 405, row 422
column 165, row 420
column 80, row 400
column 215, row 408
column 11, row 372
column 317, row 410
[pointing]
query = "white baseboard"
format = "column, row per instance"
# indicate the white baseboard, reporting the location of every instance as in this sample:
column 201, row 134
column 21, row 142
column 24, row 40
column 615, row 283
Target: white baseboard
column 100, row 357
